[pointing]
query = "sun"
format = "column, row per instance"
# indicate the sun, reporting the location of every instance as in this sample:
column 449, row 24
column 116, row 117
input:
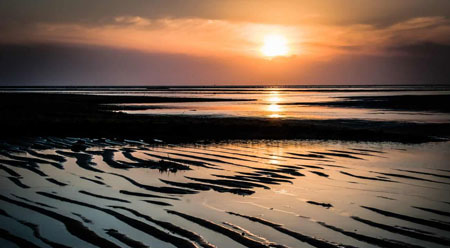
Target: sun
column 274, row 45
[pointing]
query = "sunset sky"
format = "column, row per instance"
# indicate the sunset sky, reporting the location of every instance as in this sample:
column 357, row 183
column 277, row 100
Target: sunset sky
column 212, row 42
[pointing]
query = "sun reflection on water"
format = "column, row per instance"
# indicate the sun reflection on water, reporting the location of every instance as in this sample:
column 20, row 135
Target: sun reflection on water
column 275, row 116
column 274, row 108
column 274, row 99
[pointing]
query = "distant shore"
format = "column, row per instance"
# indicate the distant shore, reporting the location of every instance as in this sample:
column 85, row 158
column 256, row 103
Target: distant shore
column 38, row 114
column 434, row 103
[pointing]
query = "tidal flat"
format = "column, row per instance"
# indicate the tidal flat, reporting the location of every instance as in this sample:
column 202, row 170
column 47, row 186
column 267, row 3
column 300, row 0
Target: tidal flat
column 224, row 167
column 84, row 192
column 175, row 116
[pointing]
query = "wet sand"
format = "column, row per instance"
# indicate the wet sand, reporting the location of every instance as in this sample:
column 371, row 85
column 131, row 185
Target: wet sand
column 86, row 192
column 79, row 172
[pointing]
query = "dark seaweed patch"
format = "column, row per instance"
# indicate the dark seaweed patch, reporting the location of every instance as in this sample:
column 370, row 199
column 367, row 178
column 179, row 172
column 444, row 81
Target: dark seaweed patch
column 325, row 205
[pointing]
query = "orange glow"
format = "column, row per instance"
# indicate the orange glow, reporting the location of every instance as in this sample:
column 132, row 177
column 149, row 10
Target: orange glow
column 224, row 38
column 237, row 42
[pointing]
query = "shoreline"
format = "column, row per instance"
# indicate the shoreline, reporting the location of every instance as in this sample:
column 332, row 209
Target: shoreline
column 62, row 115
column 433, row 103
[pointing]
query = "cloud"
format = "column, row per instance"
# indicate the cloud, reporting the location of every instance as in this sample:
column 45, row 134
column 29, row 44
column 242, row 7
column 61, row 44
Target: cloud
column 162, row 42
column 132, row 20
column 207, row 37
column 189, row 36
column 374, row 40
column 279, row 12
column 423, row 50
column 55, row 64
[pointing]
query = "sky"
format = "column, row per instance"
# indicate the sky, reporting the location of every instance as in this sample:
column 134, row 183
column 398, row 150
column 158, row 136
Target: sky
column 224, row 42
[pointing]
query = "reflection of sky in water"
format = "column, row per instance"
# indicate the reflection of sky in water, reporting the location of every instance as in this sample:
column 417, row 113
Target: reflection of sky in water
column 273, row 102
column 283, row 203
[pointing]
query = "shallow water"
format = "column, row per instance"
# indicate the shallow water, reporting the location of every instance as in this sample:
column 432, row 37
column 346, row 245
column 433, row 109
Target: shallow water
column 322, row 194
column 269, row 102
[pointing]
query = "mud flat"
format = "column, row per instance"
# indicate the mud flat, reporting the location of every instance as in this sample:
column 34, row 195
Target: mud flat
column 436, row 103
column 87, row 116
column 73, row 192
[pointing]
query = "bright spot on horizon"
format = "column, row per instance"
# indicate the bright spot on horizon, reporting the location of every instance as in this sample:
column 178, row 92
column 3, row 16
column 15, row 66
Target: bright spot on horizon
column 274, row 108
column 274, row 45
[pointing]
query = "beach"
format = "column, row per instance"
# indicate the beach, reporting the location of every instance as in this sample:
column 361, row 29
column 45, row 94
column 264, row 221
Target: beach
column 108, row 193
column 225, row 124
column 109, row 167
